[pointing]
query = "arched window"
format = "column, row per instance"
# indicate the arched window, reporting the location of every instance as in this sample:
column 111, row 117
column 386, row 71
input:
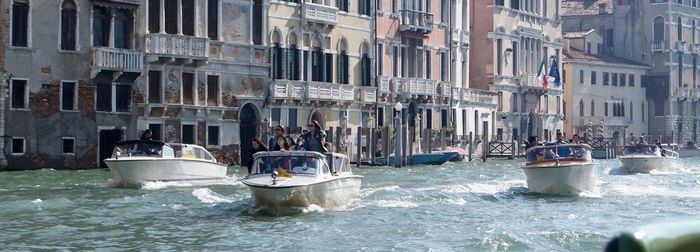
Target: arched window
column 580, row 108
column 592, row 108
column 658, row 29
column 69, row 23
column 679, row 29
column 20, row 23
column 294, row 58
column 693, row 32
column 366, row 65
column 100, row 26
column 343, row 62
column 277, row 55
column 123, row 27
column 631, row 112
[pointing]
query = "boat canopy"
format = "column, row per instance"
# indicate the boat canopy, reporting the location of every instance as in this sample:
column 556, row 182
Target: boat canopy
column 299, row 162
column 191, row 151
column 559, row 152
column 641, row 149
column 142, row 148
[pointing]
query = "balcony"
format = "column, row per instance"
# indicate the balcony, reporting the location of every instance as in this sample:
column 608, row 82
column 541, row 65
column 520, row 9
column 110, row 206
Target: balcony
column 416, row 21
column 445, row 89
column 177, row 46
column 695, row 48
column 323, row 91
column 609, row 121
column 385, row 85
column 116, row 64
column 658, row 46
column 367, row 95
column 456, row 94
column 680, row 46
column 415, row 87
column 321, row 14
column 479, row 97
column 288, row 90
column 687, row 93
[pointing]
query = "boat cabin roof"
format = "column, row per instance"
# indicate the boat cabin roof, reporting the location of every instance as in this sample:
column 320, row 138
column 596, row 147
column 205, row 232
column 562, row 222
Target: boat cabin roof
column 300, row 162
column 131, row 142
column 559, row 152
column 290, row 154
column 159, row 149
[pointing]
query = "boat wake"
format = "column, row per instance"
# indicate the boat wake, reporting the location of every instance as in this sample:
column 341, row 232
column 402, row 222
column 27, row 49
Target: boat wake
column 206, row 195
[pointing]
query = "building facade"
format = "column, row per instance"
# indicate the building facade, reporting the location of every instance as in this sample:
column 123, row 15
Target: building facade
column 322, row 54
column 85, row 74
column 603, row 91
column 514, row 38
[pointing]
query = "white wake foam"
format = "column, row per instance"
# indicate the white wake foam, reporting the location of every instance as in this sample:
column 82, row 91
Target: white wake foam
column 206, row 195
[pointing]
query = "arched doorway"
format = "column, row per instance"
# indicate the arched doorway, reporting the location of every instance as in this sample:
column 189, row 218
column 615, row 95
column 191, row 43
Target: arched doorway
column 317, row 116
column 249, row 122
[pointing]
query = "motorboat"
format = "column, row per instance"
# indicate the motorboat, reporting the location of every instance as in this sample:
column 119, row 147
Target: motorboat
column 687, row 151
column 645, row 158
column 285, row 179
column 138, row 161
column 460, row 153
column 565, row 169
column 674, row 235
column 432, row 158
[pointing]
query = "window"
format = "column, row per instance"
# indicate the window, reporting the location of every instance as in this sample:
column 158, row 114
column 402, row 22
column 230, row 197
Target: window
column 428, row 118
column 68, row 97
column 154, row 16
column 188, row 88
column 606, row 79
column 100, row 26
column 500, row 2
column 277, row 62
column 606, row 109
column 212, row 90
column 157, row 129
column 68, row 145
column 614, row 79
column 293, row 61
column 658, row 29
column 395, row 61
column 258, row 21
column 500, row 101
column 103, row 97
column 342, row 5
column 679, row 29
column 464, row 122
column 580, row 108
column 275, row 114
column 393, row 6
column 443, row 118
column 428, row 64
column 631, row 80
column 213, row 19
column 592, row 108
column 366, row 70
column 593, row 78
column 445, row 11
column 515, row 4
column 623, row 80
column 154, row 87
column 18, row 146
column 213, row 135
column 380, row 58
column 123, row 97
column 546, row 104
column 69, row 23
column 380, row 116
column 444, row 65
column 364, row 7
column 609, row 40
column 292, row 118
column 18, row 94
column 188, row 23
column 588, row 47
column 580, row 77
column 499, row 57
column 631, row 112
column 188, row 134
column 171, row 16
column 123, row 29
column 20, row 23
column 515, row 59
column 343, row 69
column 514, row 103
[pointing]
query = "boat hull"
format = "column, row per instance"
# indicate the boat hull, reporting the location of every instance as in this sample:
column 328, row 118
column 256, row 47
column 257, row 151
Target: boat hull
column 688, row 153
column 646, row 164
column 562, row 180
column 139, row 170
column 435, row 158
column 329, row 194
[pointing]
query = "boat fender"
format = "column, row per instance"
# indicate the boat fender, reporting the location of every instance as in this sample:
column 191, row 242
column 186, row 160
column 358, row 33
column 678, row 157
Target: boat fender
column 274, row 177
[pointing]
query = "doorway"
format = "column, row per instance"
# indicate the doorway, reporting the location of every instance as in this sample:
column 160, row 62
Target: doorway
column 249, row 123
column 108, row 139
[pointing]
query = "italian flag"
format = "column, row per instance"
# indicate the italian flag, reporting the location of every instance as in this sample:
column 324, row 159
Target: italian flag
column 542, row 76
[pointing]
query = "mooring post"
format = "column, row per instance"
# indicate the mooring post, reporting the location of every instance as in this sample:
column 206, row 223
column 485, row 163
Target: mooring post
column 411, row 140
column 359, row 146
column 373, row 151
column 442, row 139
column 471, row 146
column 404, row 138
column 485, row 142
column 399, row 143
column 386, row 143
column 512, row 150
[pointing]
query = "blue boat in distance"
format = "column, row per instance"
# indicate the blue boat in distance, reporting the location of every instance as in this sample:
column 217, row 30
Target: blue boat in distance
column 433, row 158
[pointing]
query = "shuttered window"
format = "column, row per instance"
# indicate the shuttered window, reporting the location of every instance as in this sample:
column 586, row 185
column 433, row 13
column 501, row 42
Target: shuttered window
column 68, row 25
column 20, row 23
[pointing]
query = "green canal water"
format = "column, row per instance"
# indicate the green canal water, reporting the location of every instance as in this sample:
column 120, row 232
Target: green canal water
column 455, row 207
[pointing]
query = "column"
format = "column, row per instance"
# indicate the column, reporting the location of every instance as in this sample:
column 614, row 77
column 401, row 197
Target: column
column 111, row 28
column 179, row 17
column 162, row 16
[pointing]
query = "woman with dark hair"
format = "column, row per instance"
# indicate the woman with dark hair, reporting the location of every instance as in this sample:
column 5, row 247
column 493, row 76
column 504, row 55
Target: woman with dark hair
column 257, row 146
column 314, row 138
column 279, row 131
column 292, row 144
column 147, row 135
column 281, row 144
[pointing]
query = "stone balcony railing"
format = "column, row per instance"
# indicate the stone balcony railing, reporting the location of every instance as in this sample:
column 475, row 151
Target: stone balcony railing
column 117, row 59
column 681, row 46
column 416, row 21
column 695, row 48
column 324, row 91
column 367, row 94
column 478, row 96
column 288, row 90
column 658, row 46
column 445, row 89
column 688, row 93
column 177, row 46
column 414, row 86
column 582, row 121
column 384, row 85
column 322, row 14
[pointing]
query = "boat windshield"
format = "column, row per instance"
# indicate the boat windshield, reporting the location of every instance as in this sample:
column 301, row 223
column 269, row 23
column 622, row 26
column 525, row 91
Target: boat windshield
column 560, row 152
column 641, row 149
column 141, row 148
column 191, row 151
column 291, row 164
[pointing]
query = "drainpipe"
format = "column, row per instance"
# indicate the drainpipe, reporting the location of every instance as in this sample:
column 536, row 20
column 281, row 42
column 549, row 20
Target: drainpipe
column 376, row 57
column 449, row 59
column 5, row 78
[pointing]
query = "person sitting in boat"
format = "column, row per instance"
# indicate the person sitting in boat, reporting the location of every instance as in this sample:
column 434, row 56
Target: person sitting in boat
column 279, row 131
column 292, row 145
column 300, row 143
column 659, row 148
column 314, row 138
column 146, row 148
column 562, row 152
column 257, row 146
column 281, row 144
column 575, row 139
column 328, row 146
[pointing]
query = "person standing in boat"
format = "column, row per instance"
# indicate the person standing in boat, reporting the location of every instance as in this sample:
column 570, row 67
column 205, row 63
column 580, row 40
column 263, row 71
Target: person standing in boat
column 279, row 131
column 257, row 146
column 314, row 138
column 281, row 144
column 147, row 135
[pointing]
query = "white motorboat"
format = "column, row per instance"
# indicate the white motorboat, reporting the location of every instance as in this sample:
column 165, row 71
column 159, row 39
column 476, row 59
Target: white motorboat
column 566, row 169
column 646, row 158
column 683, row 152
column 284, row 179
column 135, row 162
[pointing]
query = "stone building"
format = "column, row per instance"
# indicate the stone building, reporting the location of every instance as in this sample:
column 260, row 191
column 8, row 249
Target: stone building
column 85, row 74
column 514, row 37
column 602, row 90
column 467, row 104
column 414, row 52
column 322, row 65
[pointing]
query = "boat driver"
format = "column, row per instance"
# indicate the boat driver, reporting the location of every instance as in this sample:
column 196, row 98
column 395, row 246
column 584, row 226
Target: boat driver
column 562, row 152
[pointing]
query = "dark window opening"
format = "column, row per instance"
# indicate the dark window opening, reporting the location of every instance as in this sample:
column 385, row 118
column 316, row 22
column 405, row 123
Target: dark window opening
column 153, row 16
column 123, row 97
column 68, row 146
column 188, row 134
column 257, row 22
column 19, row 89
column 342, row 5
column 171, row 16
column 631, row 81
column 156, row 130
column 103, row 97
column 366, row 70
column 293, row 61
column 213, row 19
column 343, row 70
column 365, row 7
column 123, row 25
column 154, row 90
column 212, row 90
column 68, row 96
column 623, row 80
column 188, row 88
column 17, row 145
column 329, row 67
column 213, row 135
column 69, row 17
column 20, row 23
column 100, row 27
column 188, row 17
